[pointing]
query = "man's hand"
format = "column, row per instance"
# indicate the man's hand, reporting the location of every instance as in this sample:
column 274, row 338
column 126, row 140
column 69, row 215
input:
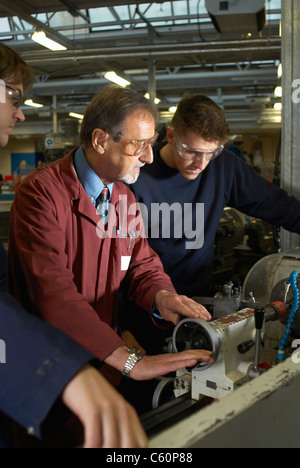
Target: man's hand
column 153, row 366
column 172, row 307
column 108, row 420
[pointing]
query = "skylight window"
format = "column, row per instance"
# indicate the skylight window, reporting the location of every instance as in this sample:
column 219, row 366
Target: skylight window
column 123, row 17
column 4, row 26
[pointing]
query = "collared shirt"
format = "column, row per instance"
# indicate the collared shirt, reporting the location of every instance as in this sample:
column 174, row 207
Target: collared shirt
column 91, row 182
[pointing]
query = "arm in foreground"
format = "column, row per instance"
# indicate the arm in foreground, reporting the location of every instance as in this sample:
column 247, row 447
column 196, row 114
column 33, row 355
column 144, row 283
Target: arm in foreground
column 108, row 420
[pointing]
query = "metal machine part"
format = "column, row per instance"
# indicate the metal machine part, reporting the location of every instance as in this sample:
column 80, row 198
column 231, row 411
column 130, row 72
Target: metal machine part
column 164, row 392
column 232, row 340
column 225, row 302
column 259, row 316
column 196, row 334
column 268, row 276
column 267, row 280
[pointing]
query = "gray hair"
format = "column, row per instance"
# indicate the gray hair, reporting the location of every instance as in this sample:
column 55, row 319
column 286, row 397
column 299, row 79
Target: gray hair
column 110, row 108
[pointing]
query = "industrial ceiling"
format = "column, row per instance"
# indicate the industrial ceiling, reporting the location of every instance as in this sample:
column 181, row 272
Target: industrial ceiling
column 170, row 47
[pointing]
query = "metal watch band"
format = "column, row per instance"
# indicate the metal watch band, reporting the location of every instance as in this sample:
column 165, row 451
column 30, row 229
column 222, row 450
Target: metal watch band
column 134, row 357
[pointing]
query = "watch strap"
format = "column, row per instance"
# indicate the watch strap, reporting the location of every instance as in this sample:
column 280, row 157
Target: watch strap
column 134, row 357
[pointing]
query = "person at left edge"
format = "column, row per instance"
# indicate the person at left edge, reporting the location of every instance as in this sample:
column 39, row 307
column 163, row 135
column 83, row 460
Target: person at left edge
column 70, row 276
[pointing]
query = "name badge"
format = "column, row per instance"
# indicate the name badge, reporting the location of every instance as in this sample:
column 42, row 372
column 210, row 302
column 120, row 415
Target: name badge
column 125, row 262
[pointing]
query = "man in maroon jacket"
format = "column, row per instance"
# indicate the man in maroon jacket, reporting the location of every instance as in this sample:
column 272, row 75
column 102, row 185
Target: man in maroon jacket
column 42, row 363
column 68, row 257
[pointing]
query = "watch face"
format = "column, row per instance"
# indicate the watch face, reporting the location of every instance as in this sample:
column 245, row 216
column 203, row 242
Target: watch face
column 136, row 353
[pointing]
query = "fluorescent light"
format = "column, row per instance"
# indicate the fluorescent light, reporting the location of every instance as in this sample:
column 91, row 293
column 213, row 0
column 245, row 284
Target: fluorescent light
column 279, row 71
column 76, row 116
column 156, row 100
column 278, row 106
column 29, row 102
column 41, row 38
column 112, row 76
column 173, row 109
column 278, row 92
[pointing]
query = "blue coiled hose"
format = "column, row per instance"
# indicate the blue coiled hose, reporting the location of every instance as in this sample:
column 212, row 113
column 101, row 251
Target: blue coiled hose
column 293, row 282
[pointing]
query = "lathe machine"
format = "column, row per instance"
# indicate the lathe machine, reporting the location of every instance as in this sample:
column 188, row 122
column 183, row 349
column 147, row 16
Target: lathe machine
column 248, row 344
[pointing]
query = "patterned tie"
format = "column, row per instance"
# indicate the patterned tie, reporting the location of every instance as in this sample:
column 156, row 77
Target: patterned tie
column 102, row 208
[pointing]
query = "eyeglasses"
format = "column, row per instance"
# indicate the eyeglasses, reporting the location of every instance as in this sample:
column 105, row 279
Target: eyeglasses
column 191, row 154
column 139, row 145
column 15, row 95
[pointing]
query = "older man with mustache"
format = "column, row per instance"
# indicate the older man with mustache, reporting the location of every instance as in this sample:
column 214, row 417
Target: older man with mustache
column 40, row 364
column 61, row 267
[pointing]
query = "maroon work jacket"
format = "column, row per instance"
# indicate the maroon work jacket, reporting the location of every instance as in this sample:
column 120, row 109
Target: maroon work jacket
column 64, row 268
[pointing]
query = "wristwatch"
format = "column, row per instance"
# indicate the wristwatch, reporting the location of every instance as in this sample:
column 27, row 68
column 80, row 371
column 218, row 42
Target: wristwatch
column 134, row 357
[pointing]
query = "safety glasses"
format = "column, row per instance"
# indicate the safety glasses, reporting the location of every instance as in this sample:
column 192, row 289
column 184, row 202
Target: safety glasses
column 139, row 146
column 191, row 154
column 15, row 95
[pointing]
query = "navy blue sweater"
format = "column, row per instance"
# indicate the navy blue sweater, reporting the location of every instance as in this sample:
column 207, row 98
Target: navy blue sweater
column 36, row 363
column 226, row 181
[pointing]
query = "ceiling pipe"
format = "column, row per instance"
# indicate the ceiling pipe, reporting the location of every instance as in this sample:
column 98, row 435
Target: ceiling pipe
column 157, row 50
column 161, row 77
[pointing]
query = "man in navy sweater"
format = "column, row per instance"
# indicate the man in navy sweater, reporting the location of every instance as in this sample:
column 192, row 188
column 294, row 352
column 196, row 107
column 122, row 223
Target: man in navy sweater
column 183, row 194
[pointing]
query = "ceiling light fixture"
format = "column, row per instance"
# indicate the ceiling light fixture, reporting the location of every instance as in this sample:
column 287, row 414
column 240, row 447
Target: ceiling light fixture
column 278, row 92
column 41, row 38
column 29, row 102
column 112, row 76
column 156, row 100
column 76, row 116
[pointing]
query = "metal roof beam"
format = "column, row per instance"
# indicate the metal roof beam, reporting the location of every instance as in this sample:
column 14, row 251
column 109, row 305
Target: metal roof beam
column 217, row 47
column 74, row 11
column 202, row 79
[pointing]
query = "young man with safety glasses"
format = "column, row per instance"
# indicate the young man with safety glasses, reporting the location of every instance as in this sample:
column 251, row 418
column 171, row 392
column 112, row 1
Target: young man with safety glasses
column 193, row 169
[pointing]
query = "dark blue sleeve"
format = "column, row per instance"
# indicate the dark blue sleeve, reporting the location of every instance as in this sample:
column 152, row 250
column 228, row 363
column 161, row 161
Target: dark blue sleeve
column 255, row 196
column 36, row 363
column 3, row 269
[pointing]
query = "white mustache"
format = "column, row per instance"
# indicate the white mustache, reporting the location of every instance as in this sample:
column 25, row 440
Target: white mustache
column 138, row 166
